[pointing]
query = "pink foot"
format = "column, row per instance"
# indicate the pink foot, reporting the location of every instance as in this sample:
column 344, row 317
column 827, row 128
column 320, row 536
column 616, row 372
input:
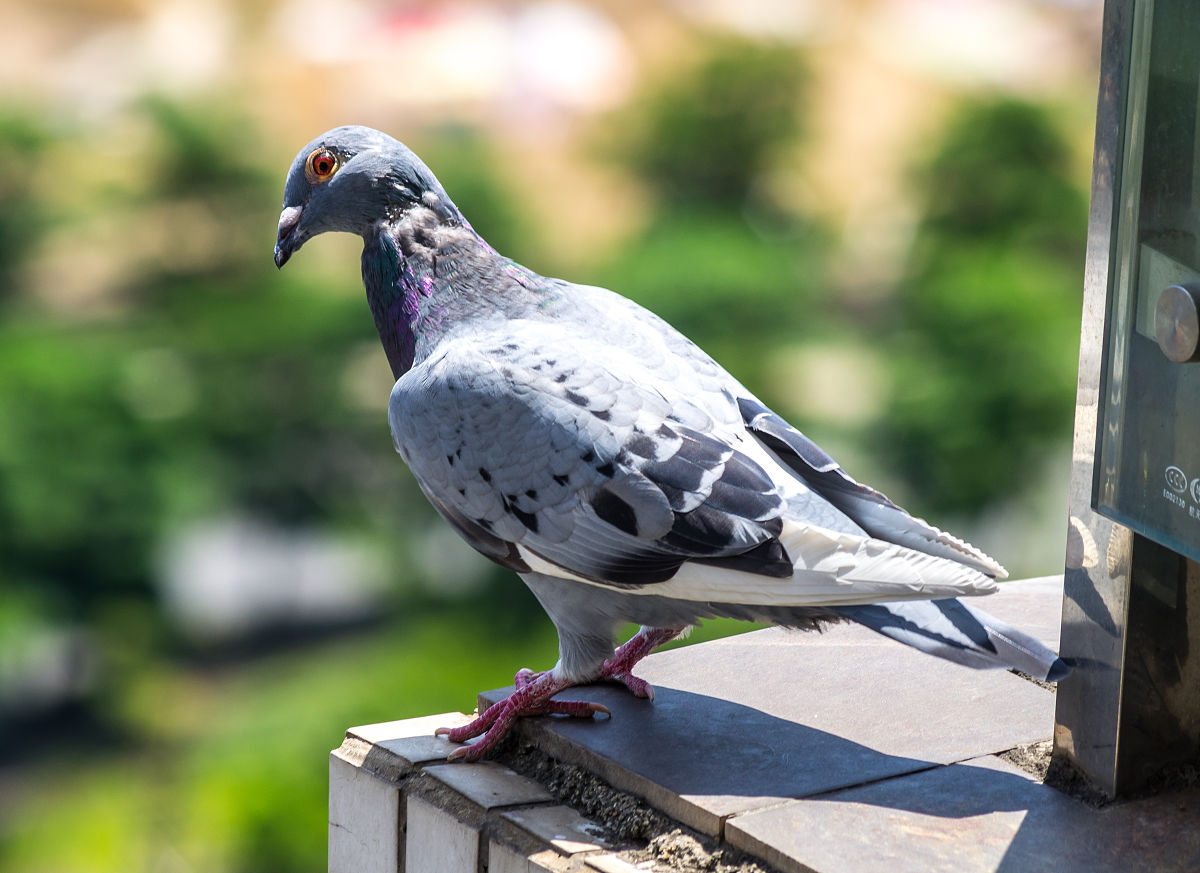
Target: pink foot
column 619, row 667
column 534, row 692
column 525, row 676
column 532, row 697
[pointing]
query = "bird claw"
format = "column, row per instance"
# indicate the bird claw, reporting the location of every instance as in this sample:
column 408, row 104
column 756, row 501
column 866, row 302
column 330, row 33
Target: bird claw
column 637, row 687
column 577, row 708
column 619, row 667
column 533, row 692
column 525, row 676
column 532, row 697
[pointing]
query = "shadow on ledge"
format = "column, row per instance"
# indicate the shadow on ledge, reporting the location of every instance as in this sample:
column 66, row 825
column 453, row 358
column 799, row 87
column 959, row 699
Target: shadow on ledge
column 730, row 770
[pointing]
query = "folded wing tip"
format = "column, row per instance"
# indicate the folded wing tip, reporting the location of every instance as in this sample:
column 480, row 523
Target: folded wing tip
column 986, row 585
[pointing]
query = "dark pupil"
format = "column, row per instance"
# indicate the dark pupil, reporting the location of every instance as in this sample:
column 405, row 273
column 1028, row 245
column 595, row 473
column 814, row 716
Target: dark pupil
column 323, row 164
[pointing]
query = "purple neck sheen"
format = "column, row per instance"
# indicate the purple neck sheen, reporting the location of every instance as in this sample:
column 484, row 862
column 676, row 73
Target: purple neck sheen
column 403, row 294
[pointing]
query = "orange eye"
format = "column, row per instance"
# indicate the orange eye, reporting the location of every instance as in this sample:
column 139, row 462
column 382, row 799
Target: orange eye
column 321, row 165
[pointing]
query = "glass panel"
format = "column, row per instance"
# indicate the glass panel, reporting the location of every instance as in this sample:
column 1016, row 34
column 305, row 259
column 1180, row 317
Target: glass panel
column 1148, row 457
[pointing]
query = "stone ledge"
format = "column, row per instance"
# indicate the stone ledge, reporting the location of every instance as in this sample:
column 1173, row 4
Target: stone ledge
column 750, row 721
column 396, row 805
column 822, row 753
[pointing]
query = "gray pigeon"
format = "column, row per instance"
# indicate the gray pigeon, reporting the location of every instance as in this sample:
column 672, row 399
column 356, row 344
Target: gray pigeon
column 576, row 438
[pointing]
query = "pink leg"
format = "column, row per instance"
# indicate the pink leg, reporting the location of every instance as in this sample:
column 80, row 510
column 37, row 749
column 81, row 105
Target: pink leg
column 619, row 667
column 534, row 692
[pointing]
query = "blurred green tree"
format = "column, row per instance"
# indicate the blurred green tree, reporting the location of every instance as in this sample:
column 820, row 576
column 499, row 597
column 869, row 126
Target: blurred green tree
column 705, row 136
column 22, row 219
column 220, row 386
column 465, row 163
column 718, row 259
column 211, row 391
column 988, row 315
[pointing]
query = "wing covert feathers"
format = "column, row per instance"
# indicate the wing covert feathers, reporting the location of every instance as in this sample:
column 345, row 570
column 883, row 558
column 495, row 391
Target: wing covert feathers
column 870, row 509
column 830, row 569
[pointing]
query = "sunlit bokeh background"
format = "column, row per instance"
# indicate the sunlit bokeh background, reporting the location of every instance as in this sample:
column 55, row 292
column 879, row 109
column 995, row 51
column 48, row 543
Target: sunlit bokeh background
column 211, row 561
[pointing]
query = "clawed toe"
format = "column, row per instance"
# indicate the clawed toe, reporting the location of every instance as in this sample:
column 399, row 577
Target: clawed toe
column 533, row 693
column 525, row 676
column 532, row 697
column 576, row 708
column 637, row 687
column 619, row 667
column 481, row 724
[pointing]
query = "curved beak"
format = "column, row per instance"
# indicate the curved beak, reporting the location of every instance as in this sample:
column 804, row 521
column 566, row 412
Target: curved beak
column 288, row 239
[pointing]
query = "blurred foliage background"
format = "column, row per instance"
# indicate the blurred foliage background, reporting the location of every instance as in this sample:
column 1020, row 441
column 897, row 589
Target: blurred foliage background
column 211, row 561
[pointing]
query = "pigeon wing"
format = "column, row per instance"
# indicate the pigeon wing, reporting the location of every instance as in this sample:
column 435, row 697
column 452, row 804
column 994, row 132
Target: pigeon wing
column 607, row 473
column 579, row 466
column 868, row 508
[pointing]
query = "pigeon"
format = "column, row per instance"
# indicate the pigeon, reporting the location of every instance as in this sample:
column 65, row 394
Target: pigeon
column 576, row 438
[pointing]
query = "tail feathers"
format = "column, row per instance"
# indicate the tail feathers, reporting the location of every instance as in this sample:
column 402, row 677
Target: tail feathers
column 960, row 633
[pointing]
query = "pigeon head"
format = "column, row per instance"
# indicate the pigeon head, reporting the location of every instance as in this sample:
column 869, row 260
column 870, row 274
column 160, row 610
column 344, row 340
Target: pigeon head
column 349, row 179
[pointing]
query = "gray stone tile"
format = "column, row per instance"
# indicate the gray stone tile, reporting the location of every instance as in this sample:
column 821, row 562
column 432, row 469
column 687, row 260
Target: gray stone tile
column 561, row 827
column 982, row 816
column 396, row 747
column 364, row 820
column 438, row 842
column 744, row 722
column 1161, row 833
column 504, row 859
column 489, row 785
column 612, row 864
